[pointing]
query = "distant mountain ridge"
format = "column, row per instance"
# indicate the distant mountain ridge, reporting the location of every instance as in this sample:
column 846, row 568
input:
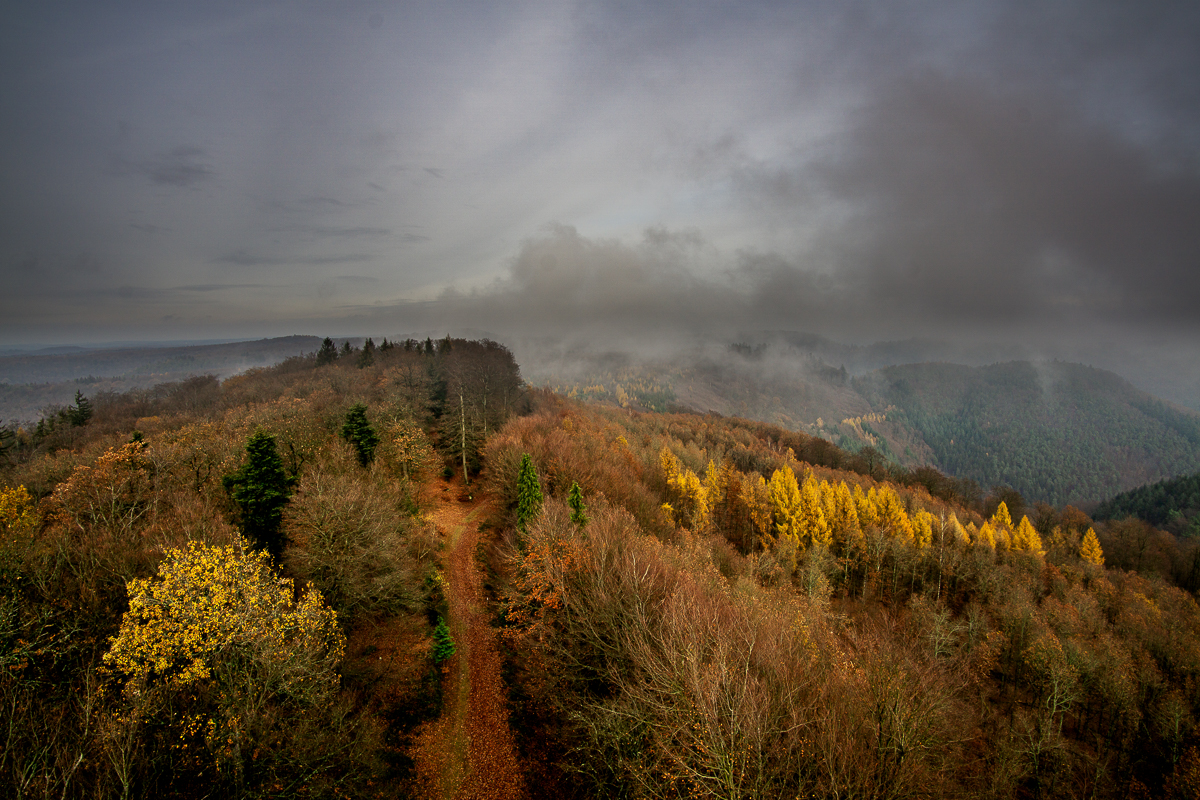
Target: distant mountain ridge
column 30, row 382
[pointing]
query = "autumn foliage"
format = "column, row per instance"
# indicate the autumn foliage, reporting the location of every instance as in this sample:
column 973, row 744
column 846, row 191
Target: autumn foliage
column 147, row 649
column 736, row 622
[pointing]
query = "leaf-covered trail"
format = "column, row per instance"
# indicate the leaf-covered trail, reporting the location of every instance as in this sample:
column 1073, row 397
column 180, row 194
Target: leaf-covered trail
column 469, row 751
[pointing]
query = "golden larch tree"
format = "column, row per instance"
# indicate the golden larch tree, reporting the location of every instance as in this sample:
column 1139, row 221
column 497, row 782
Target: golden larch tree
column 1089, row 549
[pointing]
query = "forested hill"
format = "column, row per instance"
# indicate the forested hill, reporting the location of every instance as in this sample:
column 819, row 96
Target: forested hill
column 1058, row 432
column 1172, row 504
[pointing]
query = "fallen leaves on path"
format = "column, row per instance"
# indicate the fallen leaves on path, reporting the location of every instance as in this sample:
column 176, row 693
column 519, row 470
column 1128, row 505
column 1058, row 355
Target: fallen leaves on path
column 469, row 752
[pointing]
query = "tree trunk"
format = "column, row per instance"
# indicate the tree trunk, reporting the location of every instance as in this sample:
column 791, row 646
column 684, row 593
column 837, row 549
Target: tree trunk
column 462, row 407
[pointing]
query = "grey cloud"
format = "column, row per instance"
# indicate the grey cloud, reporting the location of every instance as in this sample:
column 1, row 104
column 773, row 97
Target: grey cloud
column 127, row 292
column 969, row 204
column 183, row 166
column 320, row 201
column 243, row 259
column 351, row 231
column 351, row 258
column 336, row 231
column 219, row 287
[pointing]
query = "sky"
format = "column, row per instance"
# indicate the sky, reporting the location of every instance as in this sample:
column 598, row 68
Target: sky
column 1008, row 171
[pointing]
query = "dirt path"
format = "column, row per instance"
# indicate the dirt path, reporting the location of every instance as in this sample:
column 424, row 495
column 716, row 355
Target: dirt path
column 468, row 752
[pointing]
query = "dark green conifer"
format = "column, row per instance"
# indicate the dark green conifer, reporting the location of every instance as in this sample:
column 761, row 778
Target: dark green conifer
column 261, row 489
column 358, row 431
column 328, row 352
column 578, row 509
column 529, row 493
column 81, row 412
column 443, row 643
column 367, row 357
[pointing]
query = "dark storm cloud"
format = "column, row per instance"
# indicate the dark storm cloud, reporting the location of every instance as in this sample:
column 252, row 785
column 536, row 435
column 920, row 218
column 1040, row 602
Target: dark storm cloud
column 970, row 204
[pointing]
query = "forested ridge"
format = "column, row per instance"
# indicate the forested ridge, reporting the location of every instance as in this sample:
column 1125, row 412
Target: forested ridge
column 237, row 588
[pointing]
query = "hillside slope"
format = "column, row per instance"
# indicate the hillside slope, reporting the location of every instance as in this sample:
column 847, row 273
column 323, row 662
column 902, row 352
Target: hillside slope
column 1056, row 432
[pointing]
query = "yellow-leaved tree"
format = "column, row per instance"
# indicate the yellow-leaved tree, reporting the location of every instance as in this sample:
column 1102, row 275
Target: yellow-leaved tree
column 691, row 493
column 1026, row 538
column 922, row 526
column 18, row 512
column 842, row 515
column 892, row 518
column 210, row 601
column 1001, row 517
column 217, row 649
column 1089, row 549
column 864, row 504
column 786, row 503
column 812, row 515
column 986, row 535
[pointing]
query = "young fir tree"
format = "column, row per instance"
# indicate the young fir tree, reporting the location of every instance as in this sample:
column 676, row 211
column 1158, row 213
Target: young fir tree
column 578, row 509
column 359, row 433
column 443, row 643
column 529, row 493
column 328, row 352
column 261, row 489
column 81, row 412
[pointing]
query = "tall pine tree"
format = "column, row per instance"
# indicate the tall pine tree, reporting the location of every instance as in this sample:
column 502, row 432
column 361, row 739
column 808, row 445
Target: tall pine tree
column 261, row 489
